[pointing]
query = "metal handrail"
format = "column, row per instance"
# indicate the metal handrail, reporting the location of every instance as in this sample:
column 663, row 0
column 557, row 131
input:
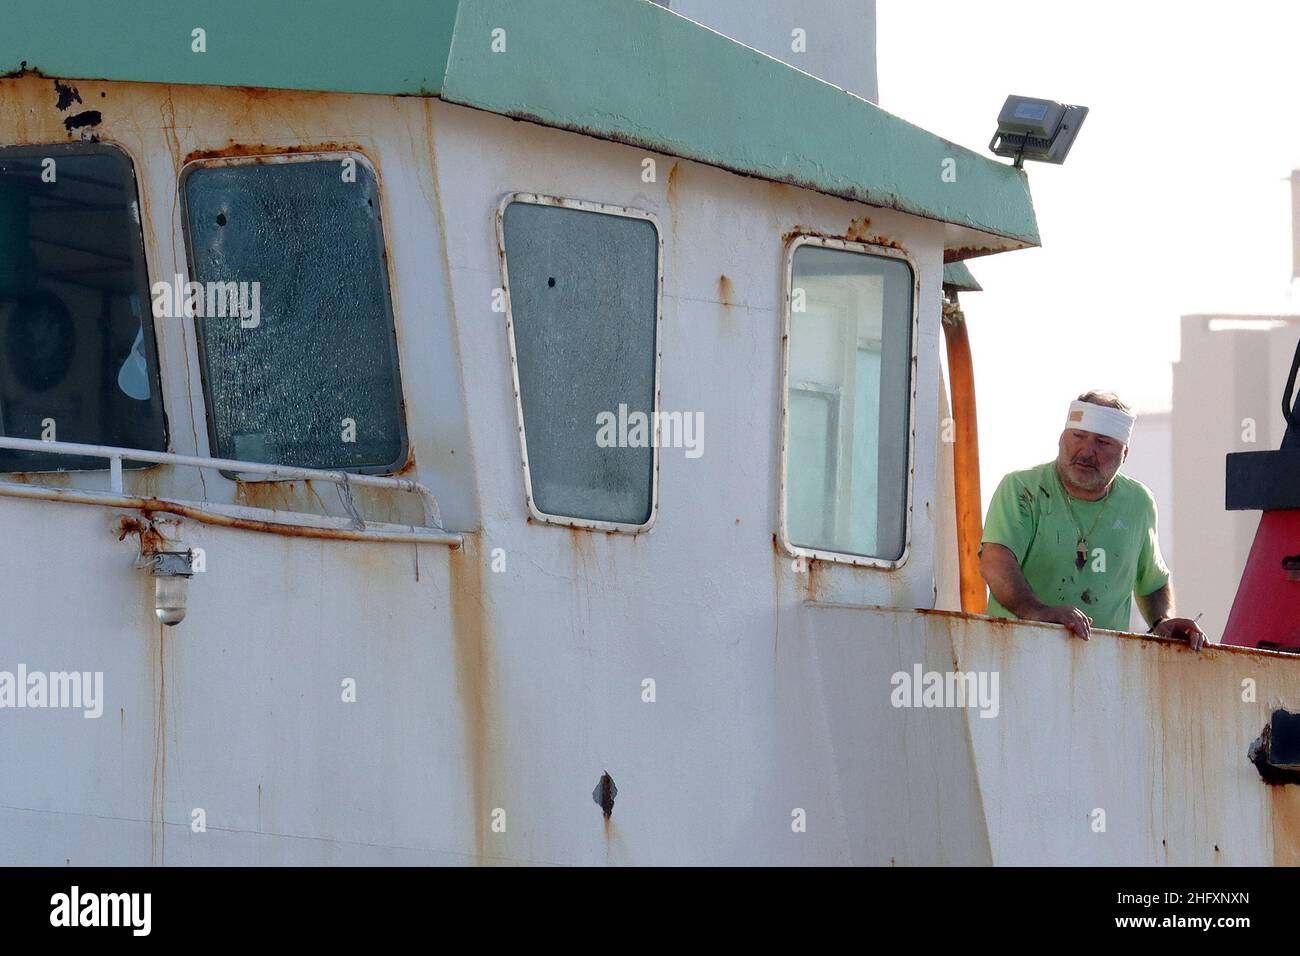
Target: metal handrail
column 115, row 456
column 1289, row 411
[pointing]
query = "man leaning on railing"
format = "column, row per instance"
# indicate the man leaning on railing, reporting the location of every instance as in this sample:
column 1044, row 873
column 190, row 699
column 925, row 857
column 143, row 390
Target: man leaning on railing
column 1072, row 541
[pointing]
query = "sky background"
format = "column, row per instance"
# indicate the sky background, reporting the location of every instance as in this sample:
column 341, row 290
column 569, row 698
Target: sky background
column 1174, row 199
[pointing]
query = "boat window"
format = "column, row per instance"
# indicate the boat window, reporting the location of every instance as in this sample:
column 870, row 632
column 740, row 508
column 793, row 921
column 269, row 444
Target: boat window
column 295, row 323
column 848, row 401
column 77, row 357
column 584, row 305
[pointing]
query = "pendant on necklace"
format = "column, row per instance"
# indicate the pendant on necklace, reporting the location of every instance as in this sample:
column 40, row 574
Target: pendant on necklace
column 1081, row 558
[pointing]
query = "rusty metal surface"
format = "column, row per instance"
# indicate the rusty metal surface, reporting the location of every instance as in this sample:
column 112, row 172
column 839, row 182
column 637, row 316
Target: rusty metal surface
column 265, row 520
column 1146, row 730
column 513, row 684
column 162, row 128
column 281, row 473
column 504, row 674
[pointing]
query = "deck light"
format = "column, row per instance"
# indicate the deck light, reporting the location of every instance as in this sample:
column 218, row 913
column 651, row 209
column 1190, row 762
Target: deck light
column 1041, row 130
column 171, row 572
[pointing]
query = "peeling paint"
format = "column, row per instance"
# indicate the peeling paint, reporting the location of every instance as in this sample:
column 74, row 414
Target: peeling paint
column 67, row 95
column 83, row 119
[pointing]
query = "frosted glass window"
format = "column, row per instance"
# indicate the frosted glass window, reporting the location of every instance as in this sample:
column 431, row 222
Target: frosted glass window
column 584, row 307
column 312, row 378
column 848, row 403
column 77, row 358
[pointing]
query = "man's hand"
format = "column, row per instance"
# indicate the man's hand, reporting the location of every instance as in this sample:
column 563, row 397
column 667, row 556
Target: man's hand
column 1067, row 614
column 1007, row 583
column 1183, row 629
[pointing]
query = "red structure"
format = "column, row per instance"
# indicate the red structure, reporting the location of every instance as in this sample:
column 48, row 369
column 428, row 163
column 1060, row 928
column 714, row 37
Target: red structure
column 1266, row 611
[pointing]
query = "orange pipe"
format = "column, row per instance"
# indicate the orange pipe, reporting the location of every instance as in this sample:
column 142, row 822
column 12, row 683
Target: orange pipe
column 965, row 458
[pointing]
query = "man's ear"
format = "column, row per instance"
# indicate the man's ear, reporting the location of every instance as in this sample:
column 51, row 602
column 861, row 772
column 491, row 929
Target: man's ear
column 1125, row 458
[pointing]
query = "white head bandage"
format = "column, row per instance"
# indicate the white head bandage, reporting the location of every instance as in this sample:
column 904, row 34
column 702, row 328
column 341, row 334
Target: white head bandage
column 1101, row 419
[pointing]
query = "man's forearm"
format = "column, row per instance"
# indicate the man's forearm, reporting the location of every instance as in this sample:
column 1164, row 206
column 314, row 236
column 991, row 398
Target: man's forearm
column 1018, row 598
column 1007, row 582
column 1158, row 604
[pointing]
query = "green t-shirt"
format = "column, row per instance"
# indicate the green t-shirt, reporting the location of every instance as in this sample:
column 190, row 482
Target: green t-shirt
column 1028, row 516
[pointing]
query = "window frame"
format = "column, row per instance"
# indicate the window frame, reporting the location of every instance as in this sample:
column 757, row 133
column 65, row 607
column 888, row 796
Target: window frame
column 588, row 524
column 277, row 158
column 862, row 248
column 143, row 273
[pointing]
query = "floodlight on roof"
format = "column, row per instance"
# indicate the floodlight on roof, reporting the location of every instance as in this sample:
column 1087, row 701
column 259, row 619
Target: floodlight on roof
column 1041, row 130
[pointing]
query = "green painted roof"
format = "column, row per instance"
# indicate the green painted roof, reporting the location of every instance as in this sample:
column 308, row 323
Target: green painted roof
column 626, row 70
column 958, row 276
column 355, row 46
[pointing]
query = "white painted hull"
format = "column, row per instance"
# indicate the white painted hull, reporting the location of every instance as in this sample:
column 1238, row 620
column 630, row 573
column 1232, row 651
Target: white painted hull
column 479, row 690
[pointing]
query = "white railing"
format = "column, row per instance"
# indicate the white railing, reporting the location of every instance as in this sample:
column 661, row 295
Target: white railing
column 431, row 532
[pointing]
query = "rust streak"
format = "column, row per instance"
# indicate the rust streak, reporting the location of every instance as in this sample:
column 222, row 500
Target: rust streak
column 1284, row 809
column 256, row 150
column 151, row 506
column 580, row 543
column 969, row 252
column 45, row 479
column 167, row 115
column 726, row 294
column 813, row 580
column 143, row 482
column 857, row 230
column 883, row 241
column 158, row 793
column 151, row 538
column 277, row 496
column 674, row 193
column 673, row 181
column 800, row 230
column 473, row 652
column 779, row 563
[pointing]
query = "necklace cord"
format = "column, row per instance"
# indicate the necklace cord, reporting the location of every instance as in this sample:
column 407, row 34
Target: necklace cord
column 1083, row 538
